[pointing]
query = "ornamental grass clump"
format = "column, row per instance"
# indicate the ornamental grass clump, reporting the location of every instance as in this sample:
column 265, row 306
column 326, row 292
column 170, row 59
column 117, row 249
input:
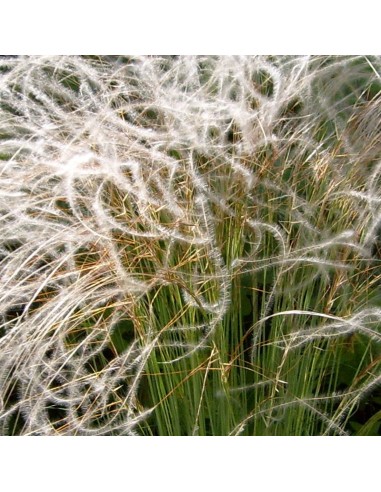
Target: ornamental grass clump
column 190, row 245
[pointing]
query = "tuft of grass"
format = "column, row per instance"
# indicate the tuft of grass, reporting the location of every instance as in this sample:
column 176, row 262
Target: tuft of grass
column 190, row 245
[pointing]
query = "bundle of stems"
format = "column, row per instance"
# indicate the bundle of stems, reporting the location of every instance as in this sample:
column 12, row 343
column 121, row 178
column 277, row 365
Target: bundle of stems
column 190, row 245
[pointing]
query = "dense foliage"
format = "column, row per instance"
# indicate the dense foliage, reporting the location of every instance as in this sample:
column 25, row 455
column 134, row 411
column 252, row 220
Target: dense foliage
column 190, row 245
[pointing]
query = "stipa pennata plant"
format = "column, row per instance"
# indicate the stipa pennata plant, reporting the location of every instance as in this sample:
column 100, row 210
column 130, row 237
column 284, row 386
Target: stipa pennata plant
column 189, row 245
